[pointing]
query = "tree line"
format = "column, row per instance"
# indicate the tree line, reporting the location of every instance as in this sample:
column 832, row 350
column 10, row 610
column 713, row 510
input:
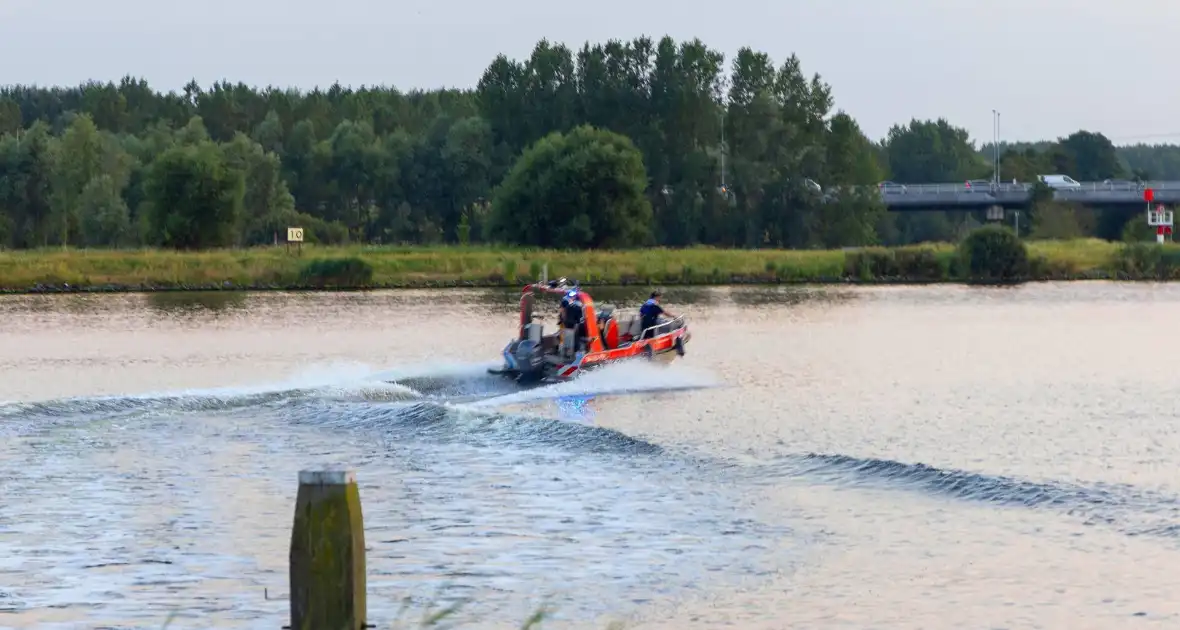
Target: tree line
column 633, row 143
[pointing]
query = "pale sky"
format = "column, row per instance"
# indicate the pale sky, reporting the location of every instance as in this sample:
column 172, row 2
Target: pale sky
column 1060, row 65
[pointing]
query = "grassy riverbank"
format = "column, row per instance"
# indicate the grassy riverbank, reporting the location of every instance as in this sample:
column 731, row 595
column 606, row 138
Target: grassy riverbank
column 359, row 267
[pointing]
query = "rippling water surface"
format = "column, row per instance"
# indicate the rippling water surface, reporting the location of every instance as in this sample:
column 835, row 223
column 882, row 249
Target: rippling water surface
column 930, row 457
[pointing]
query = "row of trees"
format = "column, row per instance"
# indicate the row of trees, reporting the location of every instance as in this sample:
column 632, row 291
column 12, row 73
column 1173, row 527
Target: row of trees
column 619, row 144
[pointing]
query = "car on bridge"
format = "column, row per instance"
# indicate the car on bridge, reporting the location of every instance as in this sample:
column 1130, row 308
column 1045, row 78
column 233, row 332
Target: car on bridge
column 891, row 188
column 1060, row 182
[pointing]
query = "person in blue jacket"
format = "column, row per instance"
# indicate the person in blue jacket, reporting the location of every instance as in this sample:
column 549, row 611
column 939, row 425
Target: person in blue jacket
column 650, row 314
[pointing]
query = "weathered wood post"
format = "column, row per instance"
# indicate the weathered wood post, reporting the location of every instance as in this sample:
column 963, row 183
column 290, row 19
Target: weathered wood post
column 327, row 561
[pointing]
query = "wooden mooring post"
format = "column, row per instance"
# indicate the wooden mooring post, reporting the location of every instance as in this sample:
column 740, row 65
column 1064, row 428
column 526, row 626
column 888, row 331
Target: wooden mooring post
column 327, row 561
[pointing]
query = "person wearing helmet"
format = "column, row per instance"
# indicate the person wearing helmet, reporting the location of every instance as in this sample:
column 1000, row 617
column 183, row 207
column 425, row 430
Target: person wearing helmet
column 650, row 313
column 571, row 323
column 564, row 313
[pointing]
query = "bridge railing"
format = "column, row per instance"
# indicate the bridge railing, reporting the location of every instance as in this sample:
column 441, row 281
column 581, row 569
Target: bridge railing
column 1022, row 187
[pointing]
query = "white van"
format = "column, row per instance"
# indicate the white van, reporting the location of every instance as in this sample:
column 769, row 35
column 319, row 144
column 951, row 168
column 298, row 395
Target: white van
column 1060, row 182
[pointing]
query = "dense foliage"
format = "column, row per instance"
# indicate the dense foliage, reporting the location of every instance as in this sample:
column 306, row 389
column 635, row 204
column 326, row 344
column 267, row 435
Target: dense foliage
column 194, row 196
column 994, row 253
column 581, row 190
column 713, row 151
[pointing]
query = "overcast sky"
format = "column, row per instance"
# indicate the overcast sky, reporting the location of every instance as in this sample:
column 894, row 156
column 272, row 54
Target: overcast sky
column 1060, row 65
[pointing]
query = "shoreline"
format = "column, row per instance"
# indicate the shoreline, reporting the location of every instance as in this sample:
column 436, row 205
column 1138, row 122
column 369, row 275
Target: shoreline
column 367, row 268
column 442, row 285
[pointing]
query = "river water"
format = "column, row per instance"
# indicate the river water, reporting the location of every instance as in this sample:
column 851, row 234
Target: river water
column 916, row 457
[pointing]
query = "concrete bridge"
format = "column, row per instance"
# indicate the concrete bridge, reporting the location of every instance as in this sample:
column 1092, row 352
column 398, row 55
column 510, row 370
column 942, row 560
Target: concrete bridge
column 982, row 195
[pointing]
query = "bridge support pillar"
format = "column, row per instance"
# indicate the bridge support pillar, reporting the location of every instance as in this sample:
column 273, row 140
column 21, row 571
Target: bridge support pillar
column 995, row 213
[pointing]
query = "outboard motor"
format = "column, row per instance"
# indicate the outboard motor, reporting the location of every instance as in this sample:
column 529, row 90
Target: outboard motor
column 530, row 360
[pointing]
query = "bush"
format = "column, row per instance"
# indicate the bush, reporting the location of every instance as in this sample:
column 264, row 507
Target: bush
column 1040, row 268
column 909, row 264
column 350, row 272
column 1136, row 230
column 320, row 232
column 921, row 263
column 993, row 253
column 1060, row 221
column 1142, row 261
column 870, row 263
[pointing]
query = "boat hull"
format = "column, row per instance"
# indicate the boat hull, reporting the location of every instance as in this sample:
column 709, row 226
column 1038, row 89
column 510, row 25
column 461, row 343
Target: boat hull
column 527, row 365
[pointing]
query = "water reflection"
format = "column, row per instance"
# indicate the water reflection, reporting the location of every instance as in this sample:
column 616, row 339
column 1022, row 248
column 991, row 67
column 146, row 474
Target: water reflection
column 790, row 295
column 176, row 303
column 507, row 299
column 68, row 303
column 498, row 300
column 576, row 408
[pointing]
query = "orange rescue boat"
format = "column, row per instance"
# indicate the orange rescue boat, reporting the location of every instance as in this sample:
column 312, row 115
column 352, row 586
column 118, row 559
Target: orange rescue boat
column 534, row 356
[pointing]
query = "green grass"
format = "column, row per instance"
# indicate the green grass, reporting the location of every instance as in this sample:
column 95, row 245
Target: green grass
column 1078, row 258
column 275, row 267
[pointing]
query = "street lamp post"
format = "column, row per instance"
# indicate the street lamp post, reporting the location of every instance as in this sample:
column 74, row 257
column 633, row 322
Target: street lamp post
column 995, row 147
